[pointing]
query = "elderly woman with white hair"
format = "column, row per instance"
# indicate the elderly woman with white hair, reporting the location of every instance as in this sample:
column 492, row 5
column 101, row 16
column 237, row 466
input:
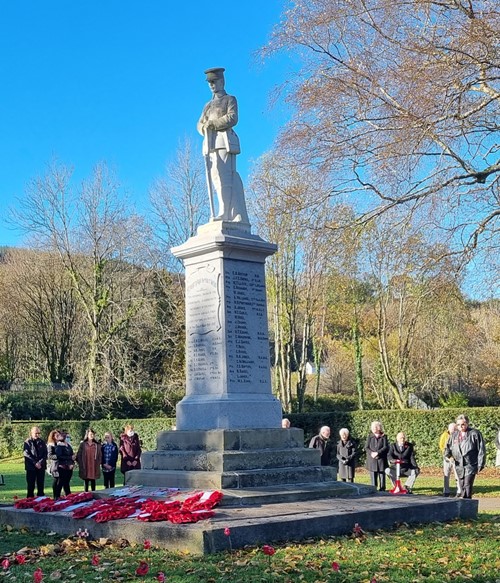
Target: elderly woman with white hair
column 377, row 448
column 346, row 455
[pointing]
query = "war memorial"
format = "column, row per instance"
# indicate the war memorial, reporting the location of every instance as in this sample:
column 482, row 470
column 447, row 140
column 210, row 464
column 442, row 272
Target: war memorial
column 228, row 436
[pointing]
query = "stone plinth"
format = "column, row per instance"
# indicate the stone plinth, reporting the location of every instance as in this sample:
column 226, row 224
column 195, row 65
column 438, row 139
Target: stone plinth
column 257, row 525
column 228, row 381
column 231, row 459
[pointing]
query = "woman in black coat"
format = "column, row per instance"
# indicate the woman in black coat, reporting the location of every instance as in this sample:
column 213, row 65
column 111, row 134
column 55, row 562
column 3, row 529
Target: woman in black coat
column 65, row 464
column 346, row 455
column 377, row 448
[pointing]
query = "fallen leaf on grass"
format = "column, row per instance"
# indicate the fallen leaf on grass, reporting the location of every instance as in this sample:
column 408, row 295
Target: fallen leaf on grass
column 23, row 551
column 55, row 575
column 47, row 549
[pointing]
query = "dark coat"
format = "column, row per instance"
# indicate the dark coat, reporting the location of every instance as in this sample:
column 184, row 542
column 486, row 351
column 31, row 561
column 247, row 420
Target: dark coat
column 130, row 451
column 52, row 460
column 379, row 444
column 346, row 454
column 406, row 456
column 64, row 454
column 34, row 451
column 113, row 460
column 469, row 453
column 324, row 446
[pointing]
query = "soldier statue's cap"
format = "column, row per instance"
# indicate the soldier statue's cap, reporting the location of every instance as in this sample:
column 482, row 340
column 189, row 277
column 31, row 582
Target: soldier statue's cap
column 215, row 73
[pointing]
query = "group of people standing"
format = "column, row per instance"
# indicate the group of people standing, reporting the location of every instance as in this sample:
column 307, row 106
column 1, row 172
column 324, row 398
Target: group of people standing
column 462, row 447
column 381, row 456
column 57, row 457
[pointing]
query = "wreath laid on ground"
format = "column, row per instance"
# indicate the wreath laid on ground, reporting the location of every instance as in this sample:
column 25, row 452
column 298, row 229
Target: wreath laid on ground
column 197, row 506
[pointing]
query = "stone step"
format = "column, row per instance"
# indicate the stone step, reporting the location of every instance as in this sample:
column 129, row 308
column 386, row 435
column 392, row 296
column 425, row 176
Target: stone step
column 231, row 439
column 229, row 461
column 293, row 493
column 230, row 480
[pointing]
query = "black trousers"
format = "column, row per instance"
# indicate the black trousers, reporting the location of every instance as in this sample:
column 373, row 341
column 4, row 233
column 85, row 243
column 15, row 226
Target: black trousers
column 377, row 477
column 466, row 484
column 35, row 476
column 109, row 479
column 63, row 482
column 91, row 483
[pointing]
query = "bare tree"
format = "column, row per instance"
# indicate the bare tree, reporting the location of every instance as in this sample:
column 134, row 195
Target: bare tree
column 296, row 272
column 100, row 243
column 405, row 274
column 38, row 293
column 399, row 102
column 180, row 200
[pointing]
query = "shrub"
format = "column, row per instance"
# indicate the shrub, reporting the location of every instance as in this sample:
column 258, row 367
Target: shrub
column 333, row 402
column 454, row 401
column 65, row 405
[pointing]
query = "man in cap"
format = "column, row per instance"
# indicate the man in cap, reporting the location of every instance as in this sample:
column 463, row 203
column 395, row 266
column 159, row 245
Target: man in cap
column 220, row 147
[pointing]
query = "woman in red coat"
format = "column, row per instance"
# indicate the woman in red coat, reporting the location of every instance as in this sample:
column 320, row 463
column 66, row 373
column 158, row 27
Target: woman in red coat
column 89, row 458
column 130, row 450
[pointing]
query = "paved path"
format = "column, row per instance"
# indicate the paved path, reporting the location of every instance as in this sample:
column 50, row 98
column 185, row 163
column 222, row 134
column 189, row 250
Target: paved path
column 486, row 504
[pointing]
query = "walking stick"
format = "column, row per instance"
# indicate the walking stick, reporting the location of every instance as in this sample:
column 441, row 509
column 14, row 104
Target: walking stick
column 398, row 487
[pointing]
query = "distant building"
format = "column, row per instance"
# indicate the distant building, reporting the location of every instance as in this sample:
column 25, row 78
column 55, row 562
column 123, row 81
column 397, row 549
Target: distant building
column 311, row 368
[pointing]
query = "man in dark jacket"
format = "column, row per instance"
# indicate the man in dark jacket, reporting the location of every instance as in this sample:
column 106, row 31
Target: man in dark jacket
column 402, row 452
column 322, row 442
column 467, row 449
column 35, row 462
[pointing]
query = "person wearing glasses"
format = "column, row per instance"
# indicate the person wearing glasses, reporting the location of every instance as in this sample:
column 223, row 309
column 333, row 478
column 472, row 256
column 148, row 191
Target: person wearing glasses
column 466, row 448
column 35, row 462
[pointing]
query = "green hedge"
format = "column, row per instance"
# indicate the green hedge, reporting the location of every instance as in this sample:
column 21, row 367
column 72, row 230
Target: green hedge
column 13, row 434
column 422, row 427
column 62, row 404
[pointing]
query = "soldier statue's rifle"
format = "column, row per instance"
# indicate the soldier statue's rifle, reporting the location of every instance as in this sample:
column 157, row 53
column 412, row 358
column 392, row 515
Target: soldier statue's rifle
column 206, row 156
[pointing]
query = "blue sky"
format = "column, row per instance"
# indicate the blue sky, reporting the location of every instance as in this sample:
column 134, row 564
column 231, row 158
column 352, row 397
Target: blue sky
column 122, row 81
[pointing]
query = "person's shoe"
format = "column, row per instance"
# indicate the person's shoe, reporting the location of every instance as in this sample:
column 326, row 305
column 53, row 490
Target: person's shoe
column 446, row 494
column 408, row 491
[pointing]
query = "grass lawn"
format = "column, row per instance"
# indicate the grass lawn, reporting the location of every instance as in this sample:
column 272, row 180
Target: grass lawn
column 460, row 551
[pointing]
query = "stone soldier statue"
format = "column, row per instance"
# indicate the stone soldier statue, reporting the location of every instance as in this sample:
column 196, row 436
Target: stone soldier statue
column 220, row 147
